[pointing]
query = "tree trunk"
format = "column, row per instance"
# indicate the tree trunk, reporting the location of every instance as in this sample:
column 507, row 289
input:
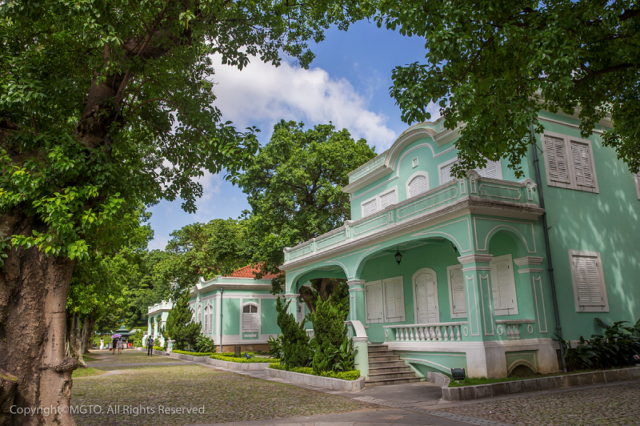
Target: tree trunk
column 88, row 332
column 33, row 297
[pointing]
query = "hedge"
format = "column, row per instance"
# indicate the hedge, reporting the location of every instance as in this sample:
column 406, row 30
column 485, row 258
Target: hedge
column 344, row 375
column 158, row 348
column 177, row 351
column 243, row 360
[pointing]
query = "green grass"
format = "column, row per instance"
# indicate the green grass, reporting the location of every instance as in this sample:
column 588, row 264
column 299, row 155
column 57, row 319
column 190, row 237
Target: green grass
column 89, row 358
column 484, row 381
column 86, row 372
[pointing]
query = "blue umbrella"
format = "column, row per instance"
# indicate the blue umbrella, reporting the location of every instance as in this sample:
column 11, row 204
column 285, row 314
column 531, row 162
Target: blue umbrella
column 115, row 336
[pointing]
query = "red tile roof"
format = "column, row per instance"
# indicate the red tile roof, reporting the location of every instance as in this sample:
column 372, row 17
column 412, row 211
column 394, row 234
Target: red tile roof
column 249, row 272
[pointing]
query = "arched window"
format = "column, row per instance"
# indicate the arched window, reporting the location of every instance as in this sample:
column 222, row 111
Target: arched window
column 250, row 317
column 417, row 184
column 206, row 319
column 198, row 318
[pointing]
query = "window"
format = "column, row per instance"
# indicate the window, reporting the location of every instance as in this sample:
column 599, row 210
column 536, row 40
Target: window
column 373, row 302
column 199, row 317
column 492, row 170
column 206, row 319
column 417, row 184
column 384, row 300
column 589, row 288
column 503, row 286
column 636, row 177
column 379, row 202
column 211, row 319
column 393, row 299
column 250, row 317
column 569, row 162
column 457, row 294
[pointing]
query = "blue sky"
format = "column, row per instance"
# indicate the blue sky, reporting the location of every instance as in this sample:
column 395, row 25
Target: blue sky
column 348, row 84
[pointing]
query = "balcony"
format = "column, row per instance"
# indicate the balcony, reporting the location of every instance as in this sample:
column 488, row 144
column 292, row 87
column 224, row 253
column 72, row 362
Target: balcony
column 472, row 191
column 434, row 332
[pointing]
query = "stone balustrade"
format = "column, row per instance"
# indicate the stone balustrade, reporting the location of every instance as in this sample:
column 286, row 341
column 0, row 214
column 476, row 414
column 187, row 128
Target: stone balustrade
column 460, row 192
column 512, row 327
column 444, row 331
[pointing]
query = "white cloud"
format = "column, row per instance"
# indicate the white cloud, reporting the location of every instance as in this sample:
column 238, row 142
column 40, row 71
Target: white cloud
column 263, row 94
column 210, row 187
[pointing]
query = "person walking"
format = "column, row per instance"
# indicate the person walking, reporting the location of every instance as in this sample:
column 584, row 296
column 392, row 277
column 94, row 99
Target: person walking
column 150, row 346
column 101, row 343
column 119, row 346
column 114, row 345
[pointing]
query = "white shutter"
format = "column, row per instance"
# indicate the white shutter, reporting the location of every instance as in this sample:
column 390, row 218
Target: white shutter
column 373, row 295
column 491, row 170
column 250, row 318
column 387, row 199
column 458, row 295
column 418, row 185
column 637, row 178
column 394, row 299
column 503, row 286
column 421, row 301
column 211, row 319
column 588, row 281
column 369, row 207
column 556, row 158
column 445, row 173
column 206, row 319
column 583, row 168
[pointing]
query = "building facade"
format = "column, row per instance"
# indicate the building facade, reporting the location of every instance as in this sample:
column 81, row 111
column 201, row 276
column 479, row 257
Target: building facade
column 454, row 272
column 157, row 320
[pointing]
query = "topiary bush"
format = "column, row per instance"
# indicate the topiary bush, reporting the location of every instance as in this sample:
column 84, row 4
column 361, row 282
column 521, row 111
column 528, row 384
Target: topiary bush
column 330, row 333
column 296, row 350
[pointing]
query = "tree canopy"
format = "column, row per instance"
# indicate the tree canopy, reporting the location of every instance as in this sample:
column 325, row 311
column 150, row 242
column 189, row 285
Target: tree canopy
column 294, row 187
column 493, row 65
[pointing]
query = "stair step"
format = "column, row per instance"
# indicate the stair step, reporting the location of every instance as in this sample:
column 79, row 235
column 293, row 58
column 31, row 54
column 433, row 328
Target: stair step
column 378, row 370
column 383, row 364
column 380, row 358
column 384, row 382
column 378, row 348
column 391, row 375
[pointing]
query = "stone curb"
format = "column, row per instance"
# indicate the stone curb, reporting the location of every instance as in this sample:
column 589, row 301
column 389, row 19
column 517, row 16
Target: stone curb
column 318, row 381
column 465, row 393
column 237, row 366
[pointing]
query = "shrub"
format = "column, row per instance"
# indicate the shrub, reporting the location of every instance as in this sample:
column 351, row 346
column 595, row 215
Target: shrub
column 343, row 375
column 179, row 325
column 295, row 342
column 330, row 333
column 192, row 353
column 157, row 347
column 243, row 360
column 613, row 349
column 275, row 347
column 137, row 338
column 205, row 344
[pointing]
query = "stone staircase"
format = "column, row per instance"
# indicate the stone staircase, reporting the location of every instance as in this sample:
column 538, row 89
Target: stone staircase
column 386, row 368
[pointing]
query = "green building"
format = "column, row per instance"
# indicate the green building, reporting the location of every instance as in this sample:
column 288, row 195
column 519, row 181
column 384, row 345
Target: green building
column 454, row 272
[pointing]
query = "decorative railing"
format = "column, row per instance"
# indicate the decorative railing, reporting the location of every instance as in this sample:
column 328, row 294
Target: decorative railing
column 367, row 167
column 161, row 305
column 471, row 187
column 512, row 327
column 310, row 333
column 440, row 332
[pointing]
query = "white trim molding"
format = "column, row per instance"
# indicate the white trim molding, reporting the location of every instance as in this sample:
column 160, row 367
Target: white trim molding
column 475, row 258
column 528, row 260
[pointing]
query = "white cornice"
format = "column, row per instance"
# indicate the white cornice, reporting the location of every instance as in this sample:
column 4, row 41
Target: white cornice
column 475, row 258
column 528, row 260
